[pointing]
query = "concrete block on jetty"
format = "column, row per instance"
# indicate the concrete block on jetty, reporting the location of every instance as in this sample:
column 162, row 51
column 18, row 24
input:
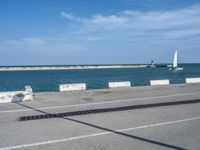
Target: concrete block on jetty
column 159, row 82
column 17, row 96
column 29, row 92
column 119, row 84
column 72, row 87
column 192, row 80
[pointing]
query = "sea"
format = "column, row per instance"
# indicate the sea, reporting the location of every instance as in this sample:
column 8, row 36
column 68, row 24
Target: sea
column 49, row 80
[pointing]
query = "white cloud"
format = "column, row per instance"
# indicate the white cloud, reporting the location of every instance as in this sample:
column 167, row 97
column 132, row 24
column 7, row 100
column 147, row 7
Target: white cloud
column 93, row 38
column 33, row 41
column 97, row 20
column 70, row 16
column 181, row 33
column 138, row 22
column 26, row 42
column 107, row 21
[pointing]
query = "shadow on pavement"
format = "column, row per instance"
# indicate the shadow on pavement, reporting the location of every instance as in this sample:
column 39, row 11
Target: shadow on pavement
column 110, row 130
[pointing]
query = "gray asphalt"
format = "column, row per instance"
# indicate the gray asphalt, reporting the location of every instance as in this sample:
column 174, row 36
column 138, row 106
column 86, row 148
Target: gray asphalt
column 168, row 127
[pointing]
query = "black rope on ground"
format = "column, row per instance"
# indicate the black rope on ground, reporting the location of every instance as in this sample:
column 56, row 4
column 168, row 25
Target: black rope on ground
column 103, row 110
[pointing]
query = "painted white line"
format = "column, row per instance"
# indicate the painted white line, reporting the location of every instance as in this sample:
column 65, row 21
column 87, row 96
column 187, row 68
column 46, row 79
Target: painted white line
column 98, row 134
column 97, row 103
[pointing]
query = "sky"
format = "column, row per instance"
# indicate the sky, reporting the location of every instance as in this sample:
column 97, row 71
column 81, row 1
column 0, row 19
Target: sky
column 72, row 32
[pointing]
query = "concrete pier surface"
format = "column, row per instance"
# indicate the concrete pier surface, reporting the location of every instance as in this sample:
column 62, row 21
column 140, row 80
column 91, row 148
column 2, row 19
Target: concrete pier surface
column 166, row 127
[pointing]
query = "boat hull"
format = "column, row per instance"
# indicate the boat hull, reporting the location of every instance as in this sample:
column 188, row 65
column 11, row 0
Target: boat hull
column 176, row 69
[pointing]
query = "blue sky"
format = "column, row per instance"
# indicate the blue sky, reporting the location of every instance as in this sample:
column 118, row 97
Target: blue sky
column 53, row 32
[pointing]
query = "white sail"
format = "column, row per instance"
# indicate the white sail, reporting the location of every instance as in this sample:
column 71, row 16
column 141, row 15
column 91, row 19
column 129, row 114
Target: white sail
column 175, row 61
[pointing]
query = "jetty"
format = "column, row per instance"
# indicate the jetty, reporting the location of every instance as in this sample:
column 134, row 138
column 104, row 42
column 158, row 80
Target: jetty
column 160, row 116
column 69, row 67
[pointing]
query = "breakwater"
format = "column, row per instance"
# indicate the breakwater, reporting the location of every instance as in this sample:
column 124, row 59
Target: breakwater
column 70, row 67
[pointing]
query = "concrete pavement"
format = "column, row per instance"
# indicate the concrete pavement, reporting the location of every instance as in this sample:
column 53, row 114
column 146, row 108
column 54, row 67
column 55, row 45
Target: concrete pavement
column 169, row 127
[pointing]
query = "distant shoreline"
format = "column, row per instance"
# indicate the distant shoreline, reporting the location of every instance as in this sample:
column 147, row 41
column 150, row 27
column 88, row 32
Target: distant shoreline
column 70, row 67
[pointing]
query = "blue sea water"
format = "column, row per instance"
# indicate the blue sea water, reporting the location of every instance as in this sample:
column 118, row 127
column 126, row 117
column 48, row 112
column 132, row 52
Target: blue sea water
column 49, row 80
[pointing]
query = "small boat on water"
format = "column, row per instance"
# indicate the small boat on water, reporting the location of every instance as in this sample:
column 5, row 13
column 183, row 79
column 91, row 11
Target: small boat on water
column 175, row 63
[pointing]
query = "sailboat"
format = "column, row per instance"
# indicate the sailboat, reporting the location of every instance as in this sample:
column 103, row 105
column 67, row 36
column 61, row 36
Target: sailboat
column 175, row 62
